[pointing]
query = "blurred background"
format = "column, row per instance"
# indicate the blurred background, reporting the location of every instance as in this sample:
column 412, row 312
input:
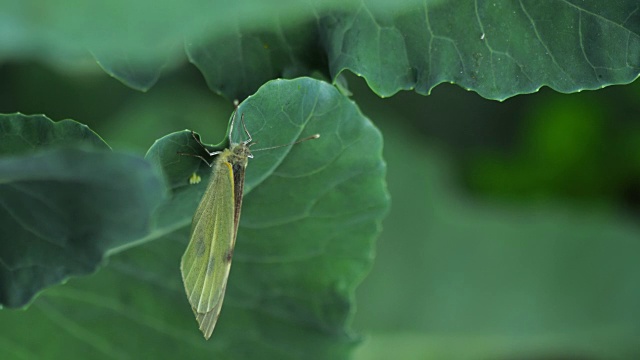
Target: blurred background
column 513, row 231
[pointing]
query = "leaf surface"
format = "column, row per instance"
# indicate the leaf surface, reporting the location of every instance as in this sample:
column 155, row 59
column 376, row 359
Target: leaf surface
column 62, row 209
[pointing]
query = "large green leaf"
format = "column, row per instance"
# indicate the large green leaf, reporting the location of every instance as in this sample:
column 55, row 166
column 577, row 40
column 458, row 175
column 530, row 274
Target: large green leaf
column 61, row 210
column 310, row 214
column 498, row 49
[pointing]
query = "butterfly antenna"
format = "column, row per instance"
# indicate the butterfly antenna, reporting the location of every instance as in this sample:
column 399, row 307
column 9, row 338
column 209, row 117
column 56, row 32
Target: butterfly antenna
column 314, row 136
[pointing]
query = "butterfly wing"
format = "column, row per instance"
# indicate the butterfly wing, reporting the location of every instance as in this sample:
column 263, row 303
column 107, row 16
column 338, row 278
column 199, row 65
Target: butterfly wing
column 206, row 263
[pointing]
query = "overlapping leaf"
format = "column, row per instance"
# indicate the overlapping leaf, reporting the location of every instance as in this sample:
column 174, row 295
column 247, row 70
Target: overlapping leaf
column 498, row 49
column 65, row 200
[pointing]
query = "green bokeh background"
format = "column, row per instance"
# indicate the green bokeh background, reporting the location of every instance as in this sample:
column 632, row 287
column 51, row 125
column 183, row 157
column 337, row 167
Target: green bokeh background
column 514, row 226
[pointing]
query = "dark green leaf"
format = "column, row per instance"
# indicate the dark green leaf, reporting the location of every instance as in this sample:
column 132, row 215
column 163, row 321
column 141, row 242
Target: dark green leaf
column 239, row 63
column 63, row 209
column 21, row 134
column 498, row 49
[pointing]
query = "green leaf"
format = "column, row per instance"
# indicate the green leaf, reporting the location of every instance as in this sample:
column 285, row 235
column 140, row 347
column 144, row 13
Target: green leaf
column 20, row 134
column 62, row 209
column 498, row 49
column 310, row 214
column 237, row 64
column 310, row 211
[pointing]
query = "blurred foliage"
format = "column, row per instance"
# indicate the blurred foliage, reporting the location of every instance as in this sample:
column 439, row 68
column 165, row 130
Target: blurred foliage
column 580, row 147
column 63, row 209
column 546, row 272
